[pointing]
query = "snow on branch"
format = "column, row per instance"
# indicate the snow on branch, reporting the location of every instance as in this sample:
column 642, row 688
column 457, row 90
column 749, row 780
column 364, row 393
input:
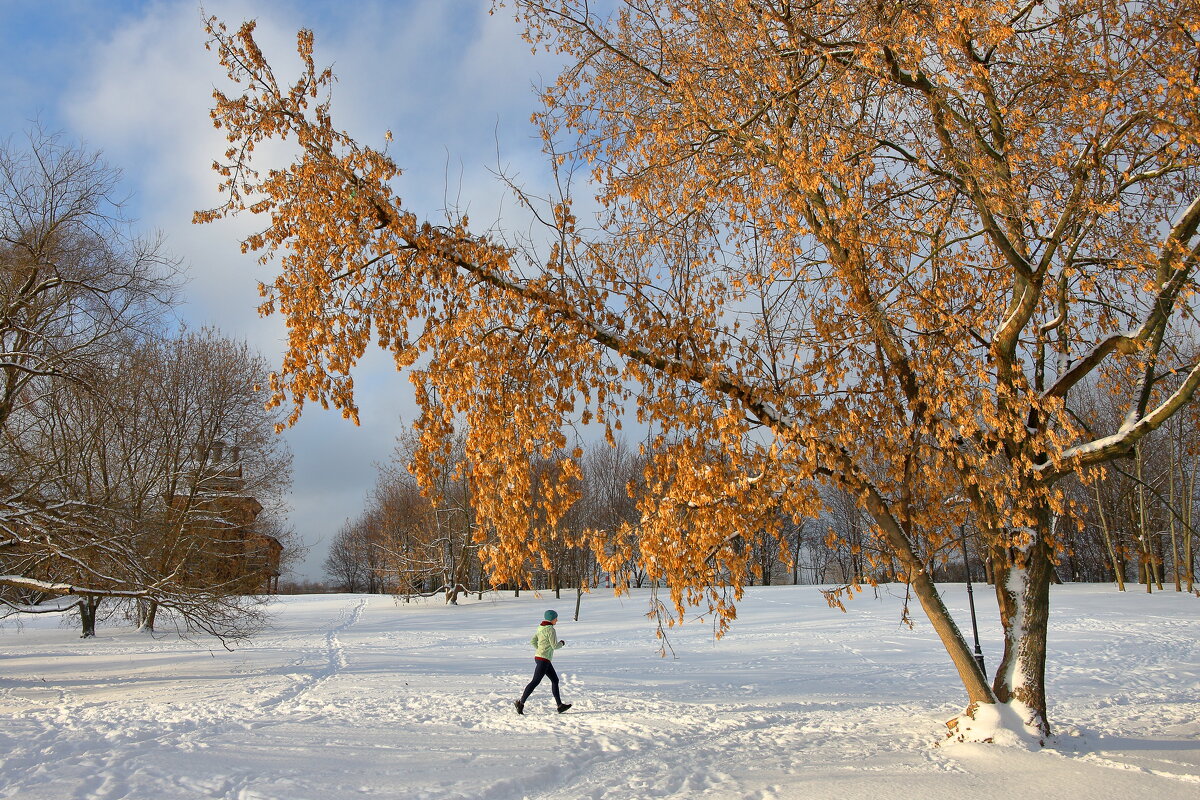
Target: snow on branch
column 64, row 589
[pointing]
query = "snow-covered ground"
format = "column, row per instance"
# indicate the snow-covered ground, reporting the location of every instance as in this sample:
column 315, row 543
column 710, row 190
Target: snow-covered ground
column 352, row 696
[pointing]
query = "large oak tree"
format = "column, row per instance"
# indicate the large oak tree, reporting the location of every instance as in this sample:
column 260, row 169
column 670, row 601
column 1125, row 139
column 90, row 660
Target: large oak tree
column 871, row 244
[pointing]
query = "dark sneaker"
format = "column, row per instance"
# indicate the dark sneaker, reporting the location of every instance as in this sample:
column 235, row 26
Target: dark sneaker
column 519, row 706
column 563, row 707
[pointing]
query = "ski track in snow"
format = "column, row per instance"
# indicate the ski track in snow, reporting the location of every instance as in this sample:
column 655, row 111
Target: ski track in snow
column 354, row 696
column 335, row 661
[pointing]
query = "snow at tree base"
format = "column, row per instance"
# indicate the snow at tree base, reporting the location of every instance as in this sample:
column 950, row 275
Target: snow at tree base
column 349, row 696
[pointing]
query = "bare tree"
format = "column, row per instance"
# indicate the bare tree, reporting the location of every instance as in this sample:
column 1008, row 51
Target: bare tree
column 74, row 279
column 612, row 483
column 346, row 563
column 157, row 464
column 76, row 285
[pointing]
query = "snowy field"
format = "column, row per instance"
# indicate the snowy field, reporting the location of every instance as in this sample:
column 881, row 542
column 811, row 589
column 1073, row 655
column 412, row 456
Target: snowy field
column 350, row 696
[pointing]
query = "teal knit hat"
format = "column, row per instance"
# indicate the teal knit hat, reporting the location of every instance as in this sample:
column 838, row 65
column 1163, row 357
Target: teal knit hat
column 550, row 615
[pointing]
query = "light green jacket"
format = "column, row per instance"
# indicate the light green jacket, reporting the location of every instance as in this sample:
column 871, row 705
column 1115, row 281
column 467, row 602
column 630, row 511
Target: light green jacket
column 546, row 641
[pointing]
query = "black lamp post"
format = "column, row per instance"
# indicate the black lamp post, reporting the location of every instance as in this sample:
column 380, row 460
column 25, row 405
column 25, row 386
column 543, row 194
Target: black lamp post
column 962, row 529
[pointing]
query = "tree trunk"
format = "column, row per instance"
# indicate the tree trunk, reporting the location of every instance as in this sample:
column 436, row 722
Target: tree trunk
column 1146, row 538
column 1188, row 487
column 1117, row 567
column 1023, row 594
column 972, row 677
column 147, row 611
column 87, row 614
column 1173, row 504
column 462, row 574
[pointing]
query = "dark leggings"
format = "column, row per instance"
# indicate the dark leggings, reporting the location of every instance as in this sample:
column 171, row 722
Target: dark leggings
column 542, row 669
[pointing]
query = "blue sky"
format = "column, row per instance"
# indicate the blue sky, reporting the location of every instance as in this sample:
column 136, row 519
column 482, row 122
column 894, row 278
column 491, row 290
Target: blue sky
column 133, row 80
